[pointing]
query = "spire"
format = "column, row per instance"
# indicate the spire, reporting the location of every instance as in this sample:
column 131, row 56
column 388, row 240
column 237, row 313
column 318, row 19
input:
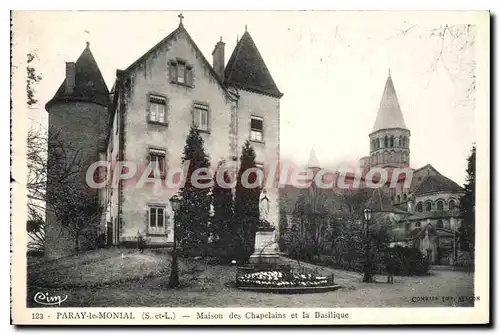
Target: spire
column 247, row 70
column 313, row 160
column 389, row 114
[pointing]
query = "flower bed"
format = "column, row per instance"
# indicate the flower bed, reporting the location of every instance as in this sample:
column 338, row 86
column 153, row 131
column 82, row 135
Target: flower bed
column 282, row 279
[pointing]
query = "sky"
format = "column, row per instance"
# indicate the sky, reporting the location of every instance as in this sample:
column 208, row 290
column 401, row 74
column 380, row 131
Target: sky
column 331, row 67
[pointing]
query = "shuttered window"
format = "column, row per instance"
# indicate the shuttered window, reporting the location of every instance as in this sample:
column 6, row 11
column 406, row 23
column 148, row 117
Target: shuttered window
column 181, row 73
column 256, row 128
column 157, row 157
column 157, row 109
column 200, row 116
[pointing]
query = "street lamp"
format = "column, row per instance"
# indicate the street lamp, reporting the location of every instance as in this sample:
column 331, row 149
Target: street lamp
column 368, row 277
column 174, row 270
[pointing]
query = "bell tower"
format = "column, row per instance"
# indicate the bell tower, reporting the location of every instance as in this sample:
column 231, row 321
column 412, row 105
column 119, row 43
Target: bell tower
column 390, row 138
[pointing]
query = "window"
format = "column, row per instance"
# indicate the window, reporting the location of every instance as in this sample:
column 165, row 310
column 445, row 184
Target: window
column 157, row 156
column 386, row 141
column 440, row 224
column 391, row 141
column 428, row 206
column 419, row 207
column 156, row 220
column 200, row 117
column 417, row 224
column 256, row 128
column 157, row 109
column 405, row 197
column 181, row 73
column 452, row 204
column 440, row 205
column 398, row 199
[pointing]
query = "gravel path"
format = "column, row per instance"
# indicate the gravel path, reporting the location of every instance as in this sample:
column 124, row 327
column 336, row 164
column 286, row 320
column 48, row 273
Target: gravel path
column 213, row 286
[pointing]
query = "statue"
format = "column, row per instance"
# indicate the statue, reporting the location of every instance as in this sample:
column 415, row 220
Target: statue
column 265, row 237
column 264, row 207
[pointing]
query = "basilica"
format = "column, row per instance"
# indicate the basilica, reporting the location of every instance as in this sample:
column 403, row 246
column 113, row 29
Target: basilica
column 424, row 213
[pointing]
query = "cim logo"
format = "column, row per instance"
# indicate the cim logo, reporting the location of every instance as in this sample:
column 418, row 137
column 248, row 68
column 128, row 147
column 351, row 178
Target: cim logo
column 49, row 300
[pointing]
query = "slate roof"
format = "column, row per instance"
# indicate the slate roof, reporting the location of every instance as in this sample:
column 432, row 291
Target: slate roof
column 246, row 69
column 327, row 199
column 420, row 232
column 389, row 113
column 437, row 183
column 434, row 214
column 89, row 83
column 180, row 29
column 380, row 202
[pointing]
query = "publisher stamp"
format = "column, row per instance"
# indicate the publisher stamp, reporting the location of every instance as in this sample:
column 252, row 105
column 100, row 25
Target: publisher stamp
column 277, row 168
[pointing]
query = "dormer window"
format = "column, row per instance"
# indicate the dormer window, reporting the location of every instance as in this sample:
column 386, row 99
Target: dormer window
column 181, row 73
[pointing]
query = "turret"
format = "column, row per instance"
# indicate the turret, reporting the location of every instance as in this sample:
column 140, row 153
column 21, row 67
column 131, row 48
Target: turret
column 78, row 115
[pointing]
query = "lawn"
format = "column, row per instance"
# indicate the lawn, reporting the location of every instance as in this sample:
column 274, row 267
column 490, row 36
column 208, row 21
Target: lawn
column 144, row 277
column 95, row 268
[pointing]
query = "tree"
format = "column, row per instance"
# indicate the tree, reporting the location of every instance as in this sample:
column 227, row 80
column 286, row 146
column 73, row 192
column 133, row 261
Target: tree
column 32, row 78
column 36, row 232
column 55, row 185
column 246, row 204
column 453, row 48
column 467, row 231
column 223, row 208
column 194, row 210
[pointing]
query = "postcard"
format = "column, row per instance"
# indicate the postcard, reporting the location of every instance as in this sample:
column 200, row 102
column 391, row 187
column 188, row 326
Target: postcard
column 250, row 167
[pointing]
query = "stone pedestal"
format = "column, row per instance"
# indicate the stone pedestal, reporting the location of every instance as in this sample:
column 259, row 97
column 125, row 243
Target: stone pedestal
column 265, row 250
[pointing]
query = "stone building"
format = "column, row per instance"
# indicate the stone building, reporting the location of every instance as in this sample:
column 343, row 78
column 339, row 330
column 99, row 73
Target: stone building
column 430, row 202
column 424, row 215
column 151, row 107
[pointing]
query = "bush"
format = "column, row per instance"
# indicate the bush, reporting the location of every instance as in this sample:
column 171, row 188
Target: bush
column 222, row 253
column 409, row 261
column 141, row 242
column 301, row 248
column 101, row 241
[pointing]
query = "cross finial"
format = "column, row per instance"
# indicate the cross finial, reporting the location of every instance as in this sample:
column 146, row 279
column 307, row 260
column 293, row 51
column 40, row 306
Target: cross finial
column 180, row 16
column 246, row 27
column 88, row 44
column 221, row 38
column 389, row 72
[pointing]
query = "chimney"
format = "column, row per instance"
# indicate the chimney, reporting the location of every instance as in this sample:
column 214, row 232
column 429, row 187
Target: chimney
column 70, row 77
column 218, row 58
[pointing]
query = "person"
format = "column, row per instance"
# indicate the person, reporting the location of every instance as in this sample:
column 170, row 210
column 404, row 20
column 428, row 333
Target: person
column 391, row 266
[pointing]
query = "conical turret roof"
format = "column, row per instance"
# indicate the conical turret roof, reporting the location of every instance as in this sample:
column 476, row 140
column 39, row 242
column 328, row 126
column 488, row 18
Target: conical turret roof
column 389, row 113
column 247, row 70
column 89, row 83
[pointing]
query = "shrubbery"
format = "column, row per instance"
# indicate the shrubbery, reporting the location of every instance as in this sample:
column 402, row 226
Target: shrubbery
column 409, row 261
column 349, row 255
